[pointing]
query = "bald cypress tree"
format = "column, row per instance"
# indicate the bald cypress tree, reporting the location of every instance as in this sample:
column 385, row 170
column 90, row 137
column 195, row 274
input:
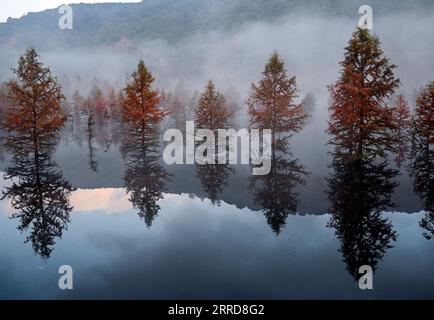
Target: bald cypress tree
column 35, row 98
column 34, row 117
column 361, row 122
column 423, row 128
column 403, row 121
column 272, row 101
column 212, row 111
column 140, row 106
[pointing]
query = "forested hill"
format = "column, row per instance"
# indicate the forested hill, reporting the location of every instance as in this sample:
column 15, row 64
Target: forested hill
column 173, row 20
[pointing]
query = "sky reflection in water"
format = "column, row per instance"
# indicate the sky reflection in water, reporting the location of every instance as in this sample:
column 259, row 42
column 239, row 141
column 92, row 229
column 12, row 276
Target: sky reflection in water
column 198, row 250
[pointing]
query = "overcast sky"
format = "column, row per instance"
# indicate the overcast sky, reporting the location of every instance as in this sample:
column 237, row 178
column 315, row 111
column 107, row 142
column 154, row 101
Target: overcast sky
column 16, row 8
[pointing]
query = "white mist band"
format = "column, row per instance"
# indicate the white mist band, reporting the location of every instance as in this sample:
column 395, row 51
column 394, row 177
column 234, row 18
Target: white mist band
column 249, row 150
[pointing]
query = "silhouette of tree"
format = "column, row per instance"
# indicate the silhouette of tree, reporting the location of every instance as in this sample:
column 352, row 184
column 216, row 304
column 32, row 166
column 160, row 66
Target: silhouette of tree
column 78, row 111
column 422, row 173
column 211, row 112
column 178, row 112
column 276, row 192
column 309, row 103
column 113, row 104
column 423, row 125
column 97, row 103
column 213, row 178
column 403, row 121
column 40, row 194
column 179, row 106
column 271, row 103
column 90, row 133
column 361, row 123
column 359, row 190
column 87, row 123
column 99, row 108
column 422, row 155
column 145, row 178
column 4, row 104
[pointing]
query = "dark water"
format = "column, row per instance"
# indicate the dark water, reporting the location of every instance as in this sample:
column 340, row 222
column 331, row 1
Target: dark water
column 191, row 232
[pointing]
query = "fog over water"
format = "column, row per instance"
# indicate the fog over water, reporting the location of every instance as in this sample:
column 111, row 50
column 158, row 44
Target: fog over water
column 311, row 44
column 194, row 246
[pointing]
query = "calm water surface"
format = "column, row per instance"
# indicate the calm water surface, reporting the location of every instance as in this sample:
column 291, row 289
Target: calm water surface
column 184, row 239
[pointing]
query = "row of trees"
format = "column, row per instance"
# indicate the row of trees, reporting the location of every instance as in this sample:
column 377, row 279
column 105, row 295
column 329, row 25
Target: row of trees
column 364, row 126
column 364, row 121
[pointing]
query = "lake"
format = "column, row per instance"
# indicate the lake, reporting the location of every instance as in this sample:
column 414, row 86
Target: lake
column 136, row 230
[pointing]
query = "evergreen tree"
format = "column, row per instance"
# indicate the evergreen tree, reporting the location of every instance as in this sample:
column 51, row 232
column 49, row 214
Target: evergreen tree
column 37, row 191
column 362, row 123
column 403, row 121
column 140, row 107
column 211, row 112
column 271, row 102
column 423, row 127
column 35, row 97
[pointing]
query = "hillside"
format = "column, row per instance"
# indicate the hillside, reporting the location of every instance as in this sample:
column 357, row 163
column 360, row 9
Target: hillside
column 173, row 20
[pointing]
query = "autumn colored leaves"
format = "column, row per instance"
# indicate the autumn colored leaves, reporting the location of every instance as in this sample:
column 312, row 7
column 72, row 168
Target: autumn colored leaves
column 33, row 118
column 212, row 111
column 364, row 124
column 140, row 107
column 272, row 102
column 368, row 124
column 34, row 101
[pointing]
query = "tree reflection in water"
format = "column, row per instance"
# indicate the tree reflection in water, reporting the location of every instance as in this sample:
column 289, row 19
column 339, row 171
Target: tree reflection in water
column 145, row 178
column 275, row 193
column 422, row 156
column 40, row 194
column 33, row 120
column 422, row 173
column 358, row 191
column 213, row 178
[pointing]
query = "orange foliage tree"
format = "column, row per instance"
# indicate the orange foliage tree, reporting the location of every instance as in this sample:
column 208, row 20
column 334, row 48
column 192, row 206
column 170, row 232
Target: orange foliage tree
column 423, row 125
column 140, row 106
column 212, row 112
column 272, row 101
column 35, row 111
column 362, row 123
column 97, row 103
column 403, row 121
